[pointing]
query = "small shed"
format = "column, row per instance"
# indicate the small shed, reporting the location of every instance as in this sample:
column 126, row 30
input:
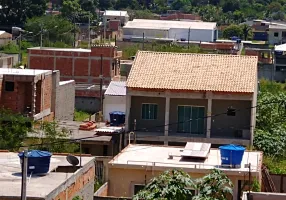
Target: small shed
column 5, row 38
column 114, row 98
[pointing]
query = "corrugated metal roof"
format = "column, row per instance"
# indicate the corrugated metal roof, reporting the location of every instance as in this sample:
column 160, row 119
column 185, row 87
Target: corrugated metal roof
column 167, row 24
column 193, row 72
column 116, row 88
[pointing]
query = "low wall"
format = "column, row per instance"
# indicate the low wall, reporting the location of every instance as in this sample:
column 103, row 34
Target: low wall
column 264, row 196
column 101, row 194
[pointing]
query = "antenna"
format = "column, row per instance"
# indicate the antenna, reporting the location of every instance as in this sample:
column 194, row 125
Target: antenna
column 72, row 160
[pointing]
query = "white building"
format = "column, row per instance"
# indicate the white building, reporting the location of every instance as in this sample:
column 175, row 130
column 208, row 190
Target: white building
column 114, row 98
column 5, row 38
column 116, row 15
column 175, row 30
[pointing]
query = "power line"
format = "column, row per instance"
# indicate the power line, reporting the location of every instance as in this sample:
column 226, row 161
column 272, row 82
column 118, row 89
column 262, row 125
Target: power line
column 68, row 140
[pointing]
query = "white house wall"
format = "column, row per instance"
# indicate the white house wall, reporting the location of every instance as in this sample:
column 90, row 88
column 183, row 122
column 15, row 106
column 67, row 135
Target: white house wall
column 113, row 103
column 195, row 35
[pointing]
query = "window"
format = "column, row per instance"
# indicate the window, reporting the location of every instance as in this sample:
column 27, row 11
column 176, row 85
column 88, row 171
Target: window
column 190, row 119
column 137, row 188
column 284, row 34
column 9, row 86
column 276, row 34
column 149, row 111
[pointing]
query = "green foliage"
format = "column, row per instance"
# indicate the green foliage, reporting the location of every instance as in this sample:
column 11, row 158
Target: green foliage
column 50, row 137
column 13, row 129
column 15, row 12
column 270, row 133
column 214, row 186
column 77, row 198
column 11, row 47
column 80, row 115
column 167, row 186
column 275, row 165
column 55, row 29
column 232, row 30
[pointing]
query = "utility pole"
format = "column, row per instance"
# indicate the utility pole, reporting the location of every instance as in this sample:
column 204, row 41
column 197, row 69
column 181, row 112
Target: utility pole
column 104, row 21
column 189, row 34
column 24, row 175
column 41, row 42
column 143, row 41
column 20, row 47
column 89, row 44
column 101, row 82
column 74, row 33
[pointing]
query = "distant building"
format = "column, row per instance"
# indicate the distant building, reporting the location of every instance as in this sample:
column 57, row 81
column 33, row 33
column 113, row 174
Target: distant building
column 36, row 93
column 113, row 15
column 280, row 62
column 180, row 16
column 169, row 29
column 81, row 65
column 173, row 98
column 8, row 60
column 63, row 181
column 114, row 98
column 5, row 38
column 136, row 165
column 272, row 31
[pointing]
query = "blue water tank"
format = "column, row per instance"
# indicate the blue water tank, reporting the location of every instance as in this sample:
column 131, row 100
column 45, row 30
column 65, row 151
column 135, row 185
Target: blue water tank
column 231, row 155
column 38, row 161
column 117, row 118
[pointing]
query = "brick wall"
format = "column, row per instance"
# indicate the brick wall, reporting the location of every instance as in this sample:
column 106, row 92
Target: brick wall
column 44, row 94
column 80, row 187
column 83, row 67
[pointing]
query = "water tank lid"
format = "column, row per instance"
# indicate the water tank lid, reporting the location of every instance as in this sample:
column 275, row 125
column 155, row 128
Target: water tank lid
column 117, row 113
column 36, row 154
column 232, row 147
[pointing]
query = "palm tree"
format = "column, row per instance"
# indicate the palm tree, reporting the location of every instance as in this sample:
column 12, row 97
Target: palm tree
column 246, row 31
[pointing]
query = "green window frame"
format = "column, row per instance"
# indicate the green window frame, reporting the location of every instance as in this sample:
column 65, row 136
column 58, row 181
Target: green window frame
column 149, row 111
column 191, row 119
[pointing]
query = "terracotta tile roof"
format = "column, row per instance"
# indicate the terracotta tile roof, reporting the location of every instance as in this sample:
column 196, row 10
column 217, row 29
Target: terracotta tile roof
column 193, row 72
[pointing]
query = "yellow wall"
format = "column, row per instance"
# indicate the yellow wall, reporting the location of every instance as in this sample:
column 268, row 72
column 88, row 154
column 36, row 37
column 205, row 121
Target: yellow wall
column 121, row 181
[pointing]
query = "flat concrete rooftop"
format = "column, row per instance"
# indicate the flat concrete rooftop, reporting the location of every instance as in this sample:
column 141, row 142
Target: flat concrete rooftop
column 37, row 186
column 138, row 156
column 61, row 49
column 23, row 72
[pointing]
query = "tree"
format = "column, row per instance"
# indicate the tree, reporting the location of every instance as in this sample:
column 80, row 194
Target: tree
column 174, row 184
column 15, row 12
column 70, row 8
column 106, row 4
column 169, row 185
column 246, row 31
column 179, row 4
column 120, row 4
column 232, row 30
column 55, row 28
column 13, row 129
column 270, row 132
column 214, row 186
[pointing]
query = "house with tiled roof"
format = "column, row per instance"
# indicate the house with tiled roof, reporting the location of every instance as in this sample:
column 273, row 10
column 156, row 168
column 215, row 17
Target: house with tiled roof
column 172, row 98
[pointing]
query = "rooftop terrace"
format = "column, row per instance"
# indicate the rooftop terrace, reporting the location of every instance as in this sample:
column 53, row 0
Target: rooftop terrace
column 37, row 186
column 138, row 156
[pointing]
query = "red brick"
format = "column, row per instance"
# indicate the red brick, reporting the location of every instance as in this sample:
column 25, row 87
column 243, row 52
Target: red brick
column 81, row 67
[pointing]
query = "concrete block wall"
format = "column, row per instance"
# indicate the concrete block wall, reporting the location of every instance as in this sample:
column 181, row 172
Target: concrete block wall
column 65, row 101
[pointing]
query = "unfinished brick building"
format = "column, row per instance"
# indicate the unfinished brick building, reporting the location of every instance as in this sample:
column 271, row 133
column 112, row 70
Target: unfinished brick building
column 82, row 65
column 34, row 93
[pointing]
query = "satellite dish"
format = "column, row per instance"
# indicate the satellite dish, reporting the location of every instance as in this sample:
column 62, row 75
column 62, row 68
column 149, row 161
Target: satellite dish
column 72, row 160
